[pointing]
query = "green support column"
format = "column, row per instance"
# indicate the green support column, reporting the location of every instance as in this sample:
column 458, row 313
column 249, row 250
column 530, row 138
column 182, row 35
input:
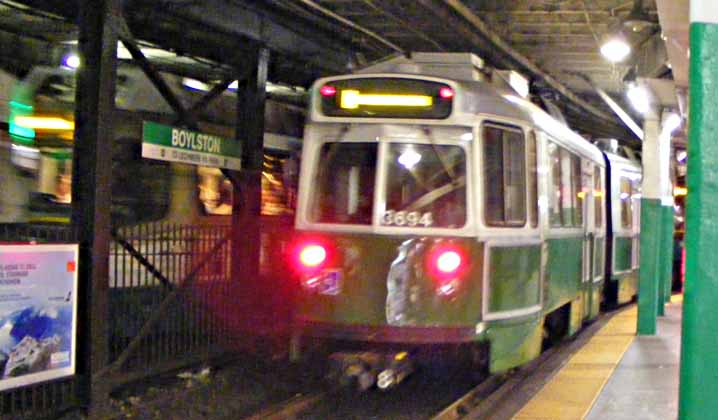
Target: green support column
column 668, row 244
column 661, row 263
column 699, row 349
column 648, row 271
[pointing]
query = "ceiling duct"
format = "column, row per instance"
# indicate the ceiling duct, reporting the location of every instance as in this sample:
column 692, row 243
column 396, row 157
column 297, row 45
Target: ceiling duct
column 638, row 19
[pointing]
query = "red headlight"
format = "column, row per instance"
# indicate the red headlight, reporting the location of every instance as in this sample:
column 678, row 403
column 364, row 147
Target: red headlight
column 449, row 262
column 446, row 264
column 312, row 255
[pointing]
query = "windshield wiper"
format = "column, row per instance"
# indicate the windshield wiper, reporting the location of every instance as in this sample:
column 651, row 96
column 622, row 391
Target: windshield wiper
column 440, row 155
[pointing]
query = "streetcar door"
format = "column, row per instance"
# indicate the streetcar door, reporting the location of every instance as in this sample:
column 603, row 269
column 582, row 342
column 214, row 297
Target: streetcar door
column 585, row 201
column 599, row 238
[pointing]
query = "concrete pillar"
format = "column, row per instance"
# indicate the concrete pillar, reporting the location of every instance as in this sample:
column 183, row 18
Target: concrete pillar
column 648, row 280
column 699, row 348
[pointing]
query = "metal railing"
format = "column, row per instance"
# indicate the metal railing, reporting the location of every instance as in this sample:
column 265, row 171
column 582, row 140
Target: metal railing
column 166, row 284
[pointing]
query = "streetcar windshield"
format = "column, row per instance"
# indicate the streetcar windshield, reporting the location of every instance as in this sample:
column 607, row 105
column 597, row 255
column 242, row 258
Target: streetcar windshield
column 344, row 191
column 426, row 186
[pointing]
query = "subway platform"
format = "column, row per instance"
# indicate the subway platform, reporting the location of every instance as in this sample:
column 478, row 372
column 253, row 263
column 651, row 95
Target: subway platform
column 616, row 375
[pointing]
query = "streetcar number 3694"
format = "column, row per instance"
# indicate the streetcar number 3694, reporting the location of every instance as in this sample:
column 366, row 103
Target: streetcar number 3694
column 404, row 218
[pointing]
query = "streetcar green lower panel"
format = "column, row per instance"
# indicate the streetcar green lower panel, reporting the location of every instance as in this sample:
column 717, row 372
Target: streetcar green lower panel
column 627, row 286
column 577, row 314
column 563, row 271
column 622, row 251
column 599, row 260
column 513, row 280
column 596, row 294
column 514, row 343
column 383, row 280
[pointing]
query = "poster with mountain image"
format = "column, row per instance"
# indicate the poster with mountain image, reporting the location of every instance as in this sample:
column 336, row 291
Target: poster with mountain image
column 38, row 313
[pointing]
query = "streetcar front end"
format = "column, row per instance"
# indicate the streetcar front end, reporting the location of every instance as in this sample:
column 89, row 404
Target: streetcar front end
column 386, row 254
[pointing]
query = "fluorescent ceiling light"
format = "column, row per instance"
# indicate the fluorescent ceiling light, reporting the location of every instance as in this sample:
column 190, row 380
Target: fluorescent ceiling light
column 671, row 123
column 639, row 97
column 616, row 49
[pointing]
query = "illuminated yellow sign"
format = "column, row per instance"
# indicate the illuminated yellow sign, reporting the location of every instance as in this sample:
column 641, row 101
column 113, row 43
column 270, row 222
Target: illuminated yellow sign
column 680, row 191
column 352, row 99
column 46, row 123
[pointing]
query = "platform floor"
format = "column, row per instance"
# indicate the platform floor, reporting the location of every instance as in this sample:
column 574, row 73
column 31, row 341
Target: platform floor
column 617, row 375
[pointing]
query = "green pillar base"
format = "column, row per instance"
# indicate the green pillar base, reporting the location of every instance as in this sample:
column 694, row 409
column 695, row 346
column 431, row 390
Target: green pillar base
column 668, row 224
column 649, row 270
column 699, row 346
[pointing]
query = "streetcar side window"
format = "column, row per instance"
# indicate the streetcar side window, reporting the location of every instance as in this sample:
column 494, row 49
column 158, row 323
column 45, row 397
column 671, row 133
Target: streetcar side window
column 598, row 197
column 344, row 184
column 504, row 176
column 531, row 157
column 567, row 190
column 566, row 195
column 555, row 215
column 626, row 203
column 576, row 190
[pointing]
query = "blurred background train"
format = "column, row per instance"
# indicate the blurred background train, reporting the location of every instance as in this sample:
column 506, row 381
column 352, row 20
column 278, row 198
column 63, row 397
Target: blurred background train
column 171, row 214
column 444, row 216
column 41, row 128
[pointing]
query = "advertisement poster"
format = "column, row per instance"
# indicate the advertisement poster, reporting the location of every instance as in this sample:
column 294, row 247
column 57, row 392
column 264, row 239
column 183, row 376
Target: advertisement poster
column 38, row 313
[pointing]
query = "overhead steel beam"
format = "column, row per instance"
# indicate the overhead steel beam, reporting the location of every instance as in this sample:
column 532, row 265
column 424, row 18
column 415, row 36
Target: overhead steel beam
column 513, row 57
column 241, row 20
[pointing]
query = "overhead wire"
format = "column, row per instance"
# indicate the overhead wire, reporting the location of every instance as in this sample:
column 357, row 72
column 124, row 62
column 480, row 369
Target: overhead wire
column 408, row 26
column 352, row 25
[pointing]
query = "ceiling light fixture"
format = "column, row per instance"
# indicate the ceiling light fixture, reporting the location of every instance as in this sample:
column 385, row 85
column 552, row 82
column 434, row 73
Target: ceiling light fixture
column 671, row 122
column 639, row 97
column 616, row 48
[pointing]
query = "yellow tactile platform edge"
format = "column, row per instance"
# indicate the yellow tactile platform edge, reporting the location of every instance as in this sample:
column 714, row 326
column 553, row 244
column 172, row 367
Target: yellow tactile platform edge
column 573, row 390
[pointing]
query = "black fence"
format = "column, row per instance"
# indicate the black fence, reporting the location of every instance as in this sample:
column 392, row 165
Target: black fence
column 167, row 288
column 170, row 293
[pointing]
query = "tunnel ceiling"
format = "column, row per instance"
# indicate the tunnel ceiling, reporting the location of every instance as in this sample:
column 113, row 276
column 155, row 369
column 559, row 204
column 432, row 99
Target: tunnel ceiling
column 553, row 42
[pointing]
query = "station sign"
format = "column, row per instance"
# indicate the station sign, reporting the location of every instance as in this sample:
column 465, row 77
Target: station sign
column 174, row 144
column 38, row 313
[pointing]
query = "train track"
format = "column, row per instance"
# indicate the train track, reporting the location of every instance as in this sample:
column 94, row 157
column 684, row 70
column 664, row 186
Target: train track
column 291, row 408
column 496, row 397
column 500, row 396
column 479, row 403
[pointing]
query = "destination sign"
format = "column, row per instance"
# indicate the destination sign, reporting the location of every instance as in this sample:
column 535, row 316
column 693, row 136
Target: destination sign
column 386, row 97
